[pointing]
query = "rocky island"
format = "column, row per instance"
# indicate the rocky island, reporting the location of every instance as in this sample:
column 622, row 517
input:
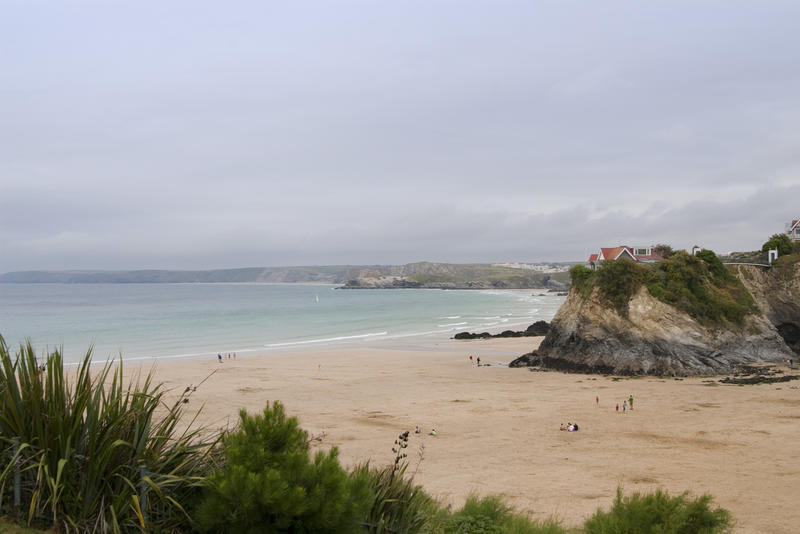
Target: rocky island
column 428, row 275
column 685, row 315
column 539, row 328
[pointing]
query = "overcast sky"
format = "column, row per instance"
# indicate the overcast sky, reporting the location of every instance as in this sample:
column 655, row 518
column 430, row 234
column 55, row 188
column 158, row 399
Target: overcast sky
column 153, row 134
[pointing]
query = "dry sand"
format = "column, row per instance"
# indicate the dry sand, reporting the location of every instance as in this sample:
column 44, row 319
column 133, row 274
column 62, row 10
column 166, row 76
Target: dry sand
column 498, row 428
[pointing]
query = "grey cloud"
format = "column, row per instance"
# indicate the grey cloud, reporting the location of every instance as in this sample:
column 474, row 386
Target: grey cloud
column 188, row 135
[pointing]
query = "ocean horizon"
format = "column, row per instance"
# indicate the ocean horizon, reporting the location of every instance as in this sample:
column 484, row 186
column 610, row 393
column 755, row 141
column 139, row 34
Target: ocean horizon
column 200, row 320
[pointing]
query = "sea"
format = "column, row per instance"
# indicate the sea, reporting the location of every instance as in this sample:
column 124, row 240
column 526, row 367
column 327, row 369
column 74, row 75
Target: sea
column 172, row 321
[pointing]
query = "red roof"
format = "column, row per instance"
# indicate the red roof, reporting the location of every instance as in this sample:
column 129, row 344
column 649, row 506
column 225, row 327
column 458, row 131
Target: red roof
column 615, row 252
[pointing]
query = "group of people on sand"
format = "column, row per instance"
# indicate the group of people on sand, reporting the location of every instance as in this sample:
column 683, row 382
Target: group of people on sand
column 219, row 356
column 478, row 360
column 431, row 433
column 626, row 404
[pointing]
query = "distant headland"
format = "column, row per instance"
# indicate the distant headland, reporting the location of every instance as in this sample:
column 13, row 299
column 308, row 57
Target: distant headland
column 427, row 275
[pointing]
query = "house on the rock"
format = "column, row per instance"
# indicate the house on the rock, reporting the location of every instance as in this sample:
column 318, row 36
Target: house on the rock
column 638, row 254
column 793, row 230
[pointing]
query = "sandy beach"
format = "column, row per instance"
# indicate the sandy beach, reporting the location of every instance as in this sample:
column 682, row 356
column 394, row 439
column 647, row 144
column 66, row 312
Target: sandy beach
column 498, row 428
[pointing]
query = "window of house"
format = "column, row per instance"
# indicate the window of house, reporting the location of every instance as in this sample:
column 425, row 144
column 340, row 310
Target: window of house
column 642, row 252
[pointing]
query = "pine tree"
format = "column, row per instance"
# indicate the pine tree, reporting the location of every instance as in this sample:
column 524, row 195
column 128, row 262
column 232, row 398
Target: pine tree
column 270, row 484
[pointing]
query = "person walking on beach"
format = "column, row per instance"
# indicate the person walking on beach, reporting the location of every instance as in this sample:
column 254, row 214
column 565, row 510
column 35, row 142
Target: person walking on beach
column 630, row 402
column 479, row 361
column 597, row 400
column 624, row 406
column 219, row 357
column 617, row 406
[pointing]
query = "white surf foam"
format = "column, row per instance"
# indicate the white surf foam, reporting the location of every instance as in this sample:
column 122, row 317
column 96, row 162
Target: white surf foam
column 325, row 340
column 451, row 324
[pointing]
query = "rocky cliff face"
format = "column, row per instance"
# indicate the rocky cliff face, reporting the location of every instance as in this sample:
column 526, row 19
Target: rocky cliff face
column 656, row 339
column 777, row 294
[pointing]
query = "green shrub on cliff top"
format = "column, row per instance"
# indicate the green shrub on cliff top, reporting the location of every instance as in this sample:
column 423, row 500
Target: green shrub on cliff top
column 617, row 281
column 699, row 285
column 782, row 242
column 581, row 278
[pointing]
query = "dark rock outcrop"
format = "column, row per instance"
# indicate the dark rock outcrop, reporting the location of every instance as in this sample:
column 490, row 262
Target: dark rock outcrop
column 539, row 328
column 655, row 339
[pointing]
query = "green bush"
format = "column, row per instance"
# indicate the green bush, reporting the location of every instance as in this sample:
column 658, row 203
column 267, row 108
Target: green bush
column 787, row 262
column 270, row 484
column 782, row 242
column 81, row 446
column 658, row 513
column 489, row 515
column 701, row 286
column 618, row 281
column 581, row 278
column 665, row 251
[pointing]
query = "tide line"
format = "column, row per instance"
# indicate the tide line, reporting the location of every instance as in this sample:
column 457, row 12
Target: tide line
column 326, row 340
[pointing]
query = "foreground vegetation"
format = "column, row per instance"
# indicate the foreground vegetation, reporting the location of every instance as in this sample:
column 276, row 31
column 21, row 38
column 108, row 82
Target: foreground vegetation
column 699, row 285
column 87, row 453
column 82, row 453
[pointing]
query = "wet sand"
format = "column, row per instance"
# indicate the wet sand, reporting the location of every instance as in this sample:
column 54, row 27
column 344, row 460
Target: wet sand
column 498, row 428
